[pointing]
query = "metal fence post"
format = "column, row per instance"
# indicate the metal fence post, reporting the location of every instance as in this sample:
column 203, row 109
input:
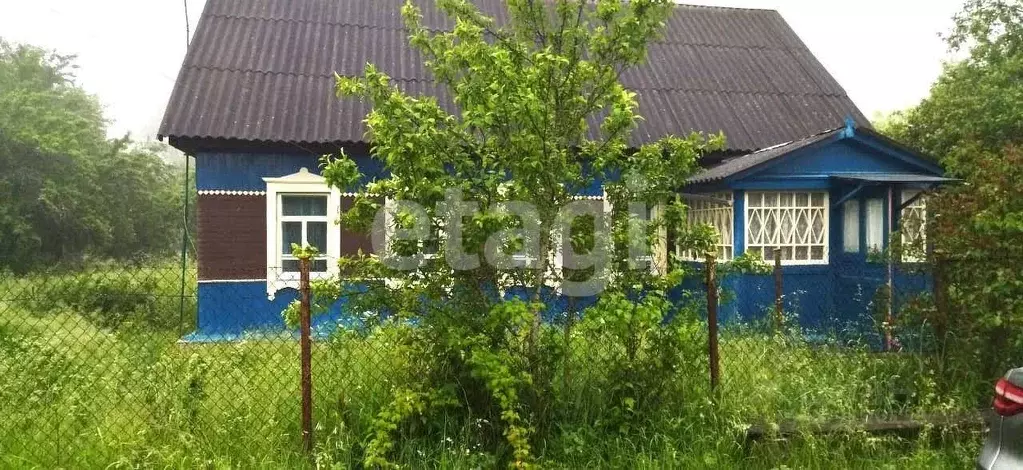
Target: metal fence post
column 306, row 353
column 939, row 286
column 779, row 291
column 712, row 321
column 184, row 249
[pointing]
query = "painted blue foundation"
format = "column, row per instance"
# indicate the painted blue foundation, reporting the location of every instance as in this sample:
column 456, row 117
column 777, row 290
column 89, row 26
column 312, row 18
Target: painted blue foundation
column 230, row 311
column 823, row 299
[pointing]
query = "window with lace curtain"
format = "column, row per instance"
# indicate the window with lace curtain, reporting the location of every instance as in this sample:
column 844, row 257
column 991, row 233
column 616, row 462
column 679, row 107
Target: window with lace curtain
column 794, row 221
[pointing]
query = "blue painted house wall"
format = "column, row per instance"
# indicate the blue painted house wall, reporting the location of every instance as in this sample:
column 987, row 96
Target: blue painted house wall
column 228, row 308
column 838, row 295
column 244, row 171
column 823, row 296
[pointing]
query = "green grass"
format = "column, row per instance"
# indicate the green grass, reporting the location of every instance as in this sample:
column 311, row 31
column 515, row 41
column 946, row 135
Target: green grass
column 80, row 393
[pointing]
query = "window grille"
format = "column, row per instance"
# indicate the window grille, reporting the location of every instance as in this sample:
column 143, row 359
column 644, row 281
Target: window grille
column 717, row 215
column 795, row 222
column 913, row 225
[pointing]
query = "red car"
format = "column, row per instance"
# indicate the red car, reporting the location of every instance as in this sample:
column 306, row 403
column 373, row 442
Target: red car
column 1004, row 446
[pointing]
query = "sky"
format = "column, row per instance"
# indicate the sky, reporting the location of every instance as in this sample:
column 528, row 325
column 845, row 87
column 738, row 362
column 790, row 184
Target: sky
column 885, row 53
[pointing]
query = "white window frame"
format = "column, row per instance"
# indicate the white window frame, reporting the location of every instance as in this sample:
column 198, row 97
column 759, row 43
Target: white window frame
column 711, row 213
column 389, row 228
column 302, row 183
column 919, row 206
column 826, row 214
column 557, row 255
column 658, row 256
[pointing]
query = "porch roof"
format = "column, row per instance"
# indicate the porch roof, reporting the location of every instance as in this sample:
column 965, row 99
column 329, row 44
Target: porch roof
column 872, row 169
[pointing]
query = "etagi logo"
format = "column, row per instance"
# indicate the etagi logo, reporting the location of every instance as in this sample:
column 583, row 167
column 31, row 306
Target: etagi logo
column 454, row 210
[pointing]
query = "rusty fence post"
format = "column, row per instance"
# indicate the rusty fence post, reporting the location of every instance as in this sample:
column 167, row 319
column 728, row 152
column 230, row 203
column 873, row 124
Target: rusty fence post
column 305, row 344
column 940, row 292
column 779, row 292
column 712, row 322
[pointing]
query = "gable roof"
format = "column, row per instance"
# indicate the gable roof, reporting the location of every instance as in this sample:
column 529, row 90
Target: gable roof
column 262, row 70
column 736, row 165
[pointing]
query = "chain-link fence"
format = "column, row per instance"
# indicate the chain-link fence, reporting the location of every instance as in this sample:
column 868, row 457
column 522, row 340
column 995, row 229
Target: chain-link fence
column 149, row 366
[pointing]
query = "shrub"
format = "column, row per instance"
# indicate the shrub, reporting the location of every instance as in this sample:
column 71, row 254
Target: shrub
column 114, row 297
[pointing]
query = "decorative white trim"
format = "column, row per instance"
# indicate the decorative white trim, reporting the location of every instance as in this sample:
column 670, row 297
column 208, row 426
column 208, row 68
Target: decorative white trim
column 587, row 198
column 349, row 194
column 229, row 281
column 225, row 192
column 299, row 183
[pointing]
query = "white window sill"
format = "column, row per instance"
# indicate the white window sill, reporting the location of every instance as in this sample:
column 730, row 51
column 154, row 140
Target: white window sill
column 278, row 281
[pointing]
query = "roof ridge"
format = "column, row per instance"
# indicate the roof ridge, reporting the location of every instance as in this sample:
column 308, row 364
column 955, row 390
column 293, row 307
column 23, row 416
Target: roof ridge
column 308, row 21
column 723, row 7
column 660, row 40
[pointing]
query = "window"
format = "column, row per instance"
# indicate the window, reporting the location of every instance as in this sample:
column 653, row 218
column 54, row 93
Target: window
column 718, row 215
column 300, row 209
column 655, row 254
column 851, row 226
column 429, row 247
column 913, row 225
column 303, row 222
column 657, row 251
column 875, row 224
column 795, row 222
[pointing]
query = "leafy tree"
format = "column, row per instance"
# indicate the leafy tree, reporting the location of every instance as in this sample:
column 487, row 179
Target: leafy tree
column 973, row 121
column 977, row 103
column 537, row 113
column 68, row 191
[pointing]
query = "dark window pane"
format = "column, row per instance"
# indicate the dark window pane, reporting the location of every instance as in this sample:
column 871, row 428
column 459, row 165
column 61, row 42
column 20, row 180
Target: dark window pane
column 316, row 235
column 304, row 205
column 315, row 266
column 318, row 266
column 291, row 232
column 289, row 266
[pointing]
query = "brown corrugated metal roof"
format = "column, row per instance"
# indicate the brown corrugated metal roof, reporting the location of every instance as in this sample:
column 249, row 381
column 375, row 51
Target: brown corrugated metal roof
column 262, row 70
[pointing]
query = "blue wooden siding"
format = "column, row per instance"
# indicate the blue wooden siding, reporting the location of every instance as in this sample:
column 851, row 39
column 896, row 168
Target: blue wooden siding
column 739, row 225
column 236, row 171
column 840, row 295
column 823, row 296
column 845, row 156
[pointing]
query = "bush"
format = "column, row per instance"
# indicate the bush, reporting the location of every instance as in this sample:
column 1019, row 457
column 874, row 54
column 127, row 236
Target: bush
column 114, row 297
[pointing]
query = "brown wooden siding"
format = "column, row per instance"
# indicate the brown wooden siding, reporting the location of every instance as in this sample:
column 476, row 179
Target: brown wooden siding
column 352, row 242
column 232, row 237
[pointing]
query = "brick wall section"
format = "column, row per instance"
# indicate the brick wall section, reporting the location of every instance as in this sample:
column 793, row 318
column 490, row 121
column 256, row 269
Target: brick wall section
column 232, row 237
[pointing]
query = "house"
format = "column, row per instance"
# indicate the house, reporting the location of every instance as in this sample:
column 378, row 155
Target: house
column 254, row 104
